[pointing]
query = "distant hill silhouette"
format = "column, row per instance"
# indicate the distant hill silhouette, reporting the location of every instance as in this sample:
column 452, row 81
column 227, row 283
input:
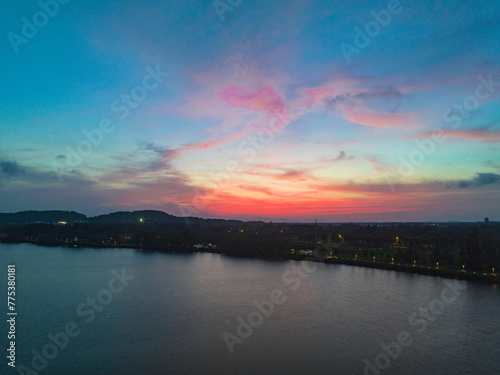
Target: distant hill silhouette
column 25, row 217
column 135, row 216
column 54, row 216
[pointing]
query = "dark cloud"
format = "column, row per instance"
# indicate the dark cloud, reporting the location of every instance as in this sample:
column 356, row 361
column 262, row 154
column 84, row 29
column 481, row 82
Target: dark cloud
column 13, row 171
column 331, row 103
column 341, row 156
column 487, row 178
column 41, row 189
column 384, row 93
column 296, row 173
column 481, row 179
column 146, row 157
column 150, row 146
column 388, row 92
column 11, row 168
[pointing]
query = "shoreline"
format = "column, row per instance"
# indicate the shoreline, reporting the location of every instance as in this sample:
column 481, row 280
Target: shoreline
column 477, row 276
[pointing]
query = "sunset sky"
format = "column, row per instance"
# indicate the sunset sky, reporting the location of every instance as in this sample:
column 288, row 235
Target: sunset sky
column 272, row 110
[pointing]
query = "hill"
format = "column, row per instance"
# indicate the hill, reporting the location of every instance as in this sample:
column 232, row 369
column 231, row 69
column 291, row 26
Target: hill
column 25, row 217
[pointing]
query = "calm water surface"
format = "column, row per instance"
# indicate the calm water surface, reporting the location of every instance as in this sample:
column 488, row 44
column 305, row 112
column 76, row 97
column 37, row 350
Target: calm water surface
column 170, row 319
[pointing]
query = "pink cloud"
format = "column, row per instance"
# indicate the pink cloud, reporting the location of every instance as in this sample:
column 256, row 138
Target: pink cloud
column 245, row 104
column 385, row 120
column 265, row 100
column 216, row 142
column 316, row 95
column 484, row 135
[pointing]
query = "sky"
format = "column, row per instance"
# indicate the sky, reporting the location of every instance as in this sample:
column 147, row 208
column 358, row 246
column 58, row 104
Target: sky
column 256, row 110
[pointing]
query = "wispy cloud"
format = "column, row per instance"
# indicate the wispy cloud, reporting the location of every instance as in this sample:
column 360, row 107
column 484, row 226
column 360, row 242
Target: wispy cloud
column 342, row 156
column 482, row 134
column 265, row 100
column 215, row 142
column 385, row 120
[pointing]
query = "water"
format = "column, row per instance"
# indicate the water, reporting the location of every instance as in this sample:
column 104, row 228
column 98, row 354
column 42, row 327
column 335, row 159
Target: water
column 170, row 319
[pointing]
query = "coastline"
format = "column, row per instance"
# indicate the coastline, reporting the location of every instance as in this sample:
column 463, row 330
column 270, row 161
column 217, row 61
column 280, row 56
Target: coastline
column 476, row 276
